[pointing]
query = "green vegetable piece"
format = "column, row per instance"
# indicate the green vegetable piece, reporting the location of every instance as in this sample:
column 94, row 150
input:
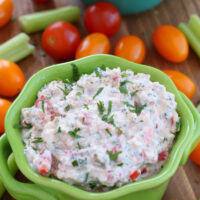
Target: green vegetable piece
column 139, row 109
column 108, row 131
column 191, row 37
column 134, row 109
column 43, row 108
column 78, row 94
column 17, row 48
column 134, row 92
column 63, row 90
column 100, row 106
column 93, row 183
column 35, row 149
column 76, row 75
column 97, row 72
column 165, row 139
column 74, row 133
column 75, row 163
column 194, row 25
column 67, row 108
column 109, row 120
column 178, row 125
column 124, row 75
column 86, row 106
column 120, row 164
column 37, row 140
column 59, row 130
column 83, row 119
column 86, row 178
column 98, row 92
column 81, row 87
column 123, row 88
column 79, row 146
column 113, row 156
column 28, row 126
column 38, row 21
column 109, row 107
column 118, row 129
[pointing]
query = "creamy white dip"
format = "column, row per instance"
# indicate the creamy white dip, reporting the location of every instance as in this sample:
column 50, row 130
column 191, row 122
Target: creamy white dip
column 107, row 129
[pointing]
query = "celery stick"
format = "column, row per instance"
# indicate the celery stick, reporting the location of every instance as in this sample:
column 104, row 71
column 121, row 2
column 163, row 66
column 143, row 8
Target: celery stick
column 192, row 38
column 194, row 25
column 16, row 48
column 40, row 20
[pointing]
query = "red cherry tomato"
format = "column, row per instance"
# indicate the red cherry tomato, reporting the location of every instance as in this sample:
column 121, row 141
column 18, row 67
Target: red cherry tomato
column 171, row 43
column 60, row 40
column 195, row 155
column 131, row 48
column 6, row 10
column 40, row 1
column 95, row 43
column 102, row 17
column 4, row 105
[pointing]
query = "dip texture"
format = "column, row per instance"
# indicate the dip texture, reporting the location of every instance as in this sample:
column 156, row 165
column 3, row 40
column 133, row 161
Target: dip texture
column 107, row 129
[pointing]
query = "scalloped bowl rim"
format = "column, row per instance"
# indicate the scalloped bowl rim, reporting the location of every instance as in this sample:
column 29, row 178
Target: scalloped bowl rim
column 17, row 146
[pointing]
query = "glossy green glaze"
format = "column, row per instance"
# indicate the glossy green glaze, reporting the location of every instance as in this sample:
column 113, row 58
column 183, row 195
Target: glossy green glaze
column 44, row 188
column 11, row 166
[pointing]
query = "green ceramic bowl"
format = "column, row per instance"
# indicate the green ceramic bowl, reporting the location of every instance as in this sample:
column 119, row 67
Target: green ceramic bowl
column 44, row 188
column 10, row 161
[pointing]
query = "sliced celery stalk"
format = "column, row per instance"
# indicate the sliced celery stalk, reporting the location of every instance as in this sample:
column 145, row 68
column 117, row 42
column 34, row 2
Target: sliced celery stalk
column 194, row 25
column 40, row 20
column 16, row 48
column 192, row 38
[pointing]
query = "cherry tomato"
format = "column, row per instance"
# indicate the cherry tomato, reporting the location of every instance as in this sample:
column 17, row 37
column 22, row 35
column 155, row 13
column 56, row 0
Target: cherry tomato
column 12, row 79
column 195, row 155
column 131, row 48
column 4, row 105
column 171, row 43
column 102, row 17
column 6, row 10
column 60, row 40
column 40, row 1
column 95, row 43
column 182, row 82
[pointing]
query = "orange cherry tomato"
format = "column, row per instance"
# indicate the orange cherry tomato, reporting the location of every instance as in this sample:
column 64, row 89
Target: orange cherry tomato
column 12, row 79
column 4, row 105
column 171, row 43
column 195, row 155
column 6, row 10
column 131, row 48
column 95, row 43
column 182, row 82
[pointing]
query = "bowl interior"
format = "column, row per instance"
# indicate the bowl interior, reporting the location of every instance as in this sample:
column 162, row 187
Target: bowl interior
column 87, row 65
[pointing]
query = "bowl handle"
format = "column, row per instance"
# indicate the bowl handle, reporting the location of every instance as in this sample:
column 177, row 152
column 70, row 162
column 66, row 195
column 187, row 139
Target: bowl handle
column 19, row 190
column 195, row 134
column 13, row 169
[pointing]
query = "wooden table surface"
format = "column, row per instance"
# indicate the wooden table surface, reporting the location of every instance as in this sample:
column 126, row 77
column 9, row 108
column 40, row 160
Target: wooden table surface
column 185, row 184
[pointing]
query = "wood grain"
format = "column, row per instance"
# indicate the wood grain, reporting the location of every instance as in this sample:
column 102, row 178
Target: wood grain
column 185, row 184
